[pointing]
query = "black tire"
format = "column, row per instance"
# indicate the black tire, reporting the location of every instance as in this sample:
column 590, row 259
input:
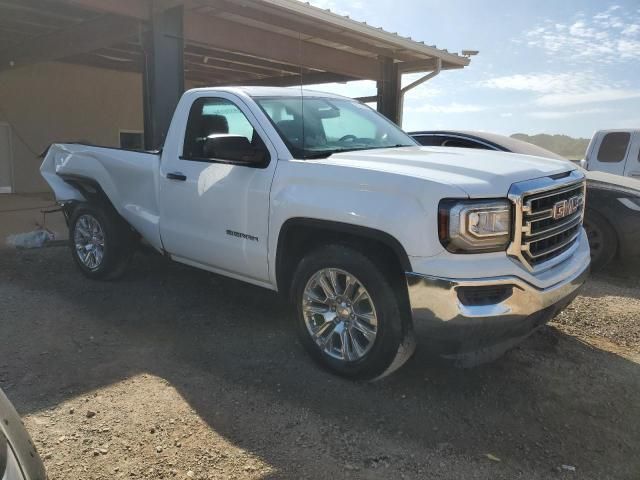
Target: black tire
column 118, row 241
column 603, row 240
column 393, row 344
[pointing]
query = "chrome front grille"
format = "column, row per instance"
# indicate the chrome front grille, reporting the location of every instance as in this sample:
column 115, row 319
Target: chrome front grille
column 548, row 219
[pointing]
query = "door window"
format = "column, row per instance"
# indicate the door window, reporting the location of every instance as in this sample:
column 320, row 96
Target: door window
column 429, row 140
column 462, row 143
column 216, row 116
column 613, row 148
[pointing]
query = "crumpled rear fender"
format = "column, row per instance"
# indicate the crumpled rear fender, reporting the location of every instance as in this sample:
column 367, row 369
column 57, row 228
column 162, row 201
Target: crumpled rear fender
column 127, row 178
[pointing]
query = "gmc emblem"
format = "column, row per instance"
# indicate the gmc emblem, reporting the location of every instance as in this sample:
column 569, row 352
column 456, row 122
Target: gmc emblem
column 567, row 207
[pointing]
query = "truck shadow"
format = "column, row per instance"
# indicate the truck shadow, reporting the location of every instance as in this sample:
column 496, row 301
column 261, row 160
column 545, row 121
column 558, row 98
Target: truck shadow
column 216, row 339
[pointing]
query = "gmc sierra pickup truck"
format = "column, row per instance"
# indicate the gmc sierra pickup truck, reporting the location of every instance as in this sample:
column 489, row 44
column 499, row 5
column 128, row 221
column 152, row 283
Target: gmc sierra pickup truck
column 375, row 240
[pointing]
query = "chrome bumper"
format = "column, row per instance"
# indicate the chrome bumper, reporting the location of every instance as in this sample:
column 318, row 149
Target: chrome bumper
column 488, row 315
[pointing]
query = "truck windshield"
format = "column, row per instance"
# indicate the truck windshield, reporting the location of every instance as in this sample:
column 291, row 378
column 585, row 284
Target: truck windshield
column 330, row 126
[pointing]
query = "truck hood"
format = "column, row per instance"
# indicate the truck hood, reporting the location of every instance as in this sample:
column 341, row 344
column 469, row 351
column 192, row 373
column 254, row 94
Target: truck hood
column 480, row 173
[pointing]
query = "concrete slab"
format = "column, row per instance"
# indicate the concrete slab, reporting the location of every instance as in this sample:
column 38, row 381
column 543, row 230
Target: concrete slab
column 21, row 213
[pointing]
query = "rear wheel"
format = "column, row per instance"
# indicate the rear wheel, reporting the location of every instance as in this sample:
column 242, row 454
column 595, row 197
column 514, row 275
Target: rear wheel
column 101, row 242
column 602, row 239
column 349, row 315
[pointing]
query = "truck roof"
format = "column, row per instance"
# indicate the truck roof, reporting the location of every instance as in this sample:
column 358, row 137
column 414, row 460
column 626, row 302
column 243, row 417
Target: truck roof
column 272, row 92
column 610, row 130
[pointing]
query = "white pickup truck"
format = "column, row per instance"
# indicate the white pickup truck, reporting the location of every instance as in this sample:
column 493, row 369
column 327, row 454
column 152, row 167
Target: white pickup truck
column 614, row 151
column 375, row 240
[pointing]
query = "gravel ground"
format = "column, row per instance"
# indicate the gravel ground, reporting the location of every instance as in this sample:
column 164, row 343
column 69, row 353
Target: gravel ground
column 609, row 309
column 176, row 373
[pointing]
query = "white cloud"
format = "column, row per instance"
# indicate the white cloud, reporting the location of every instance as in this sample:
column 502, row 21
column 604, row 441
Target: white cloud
column 424, row 92
column 448, row 108
column 631, row 30
column 564, row 89
column 559, row 114
column 610, row 36
column 595, row 96
column 545, row 82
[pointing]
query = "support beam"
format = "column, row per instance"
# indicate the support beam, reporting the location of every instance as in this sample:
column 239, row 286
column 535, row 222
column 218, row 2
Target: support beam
column 163, row 77
column 275, row 67
column 205, row 62
column 389, row 96
column 305, row 79
column 77, row 39
column 419, row 66
column 227, row 35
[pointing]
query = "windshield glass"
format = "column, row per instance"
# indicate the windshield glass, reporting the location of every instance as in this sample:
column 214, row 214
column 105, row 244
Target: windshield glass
column 330, row 125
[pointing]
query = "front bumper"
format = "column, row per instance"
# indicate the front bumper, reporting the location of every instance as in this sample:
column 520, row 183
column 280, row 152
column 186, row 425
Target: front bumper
column 476, row 320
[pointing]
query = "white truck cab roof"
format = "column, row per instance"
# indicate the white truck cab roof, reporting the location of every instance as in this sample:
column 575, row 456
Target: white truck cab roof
column 273, row 92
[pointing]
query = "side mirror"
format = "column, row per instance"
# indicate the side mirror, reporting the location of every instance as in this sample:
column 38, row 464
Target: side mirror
column 233, row 147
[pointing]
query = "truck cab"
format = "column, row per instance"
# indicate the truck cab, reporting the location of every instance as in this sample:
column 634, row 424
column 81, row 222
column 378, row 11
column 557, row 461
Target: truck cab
column 614, row 151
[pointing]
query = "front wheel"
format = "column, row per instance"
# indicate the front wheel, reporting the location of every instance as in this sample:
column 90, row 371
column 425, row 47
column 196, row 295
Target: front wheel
column 349, row 313
column 100, row 241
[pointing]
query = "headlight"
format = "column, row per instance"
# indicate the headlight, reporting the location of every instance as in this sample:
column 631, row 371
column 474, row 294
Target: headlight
column 474, row 226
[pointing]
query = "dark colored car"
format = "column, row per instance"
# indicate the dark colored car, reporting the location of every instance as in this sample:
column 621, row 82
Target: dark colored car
column 612, row 216
column 19, row 459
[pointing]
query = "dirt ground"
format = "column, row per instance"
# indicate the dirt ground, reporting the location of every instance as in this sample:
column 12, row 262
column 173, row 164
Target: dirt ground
column 177, row 373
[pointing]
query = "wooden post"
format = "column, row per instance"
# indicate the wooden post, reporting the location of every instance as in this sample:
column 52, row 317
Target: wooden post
column 389, row 96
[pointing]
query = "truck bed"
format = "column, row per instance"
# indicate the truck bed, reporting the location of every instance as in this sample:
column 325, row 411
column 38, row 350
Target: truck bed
column 127, row 177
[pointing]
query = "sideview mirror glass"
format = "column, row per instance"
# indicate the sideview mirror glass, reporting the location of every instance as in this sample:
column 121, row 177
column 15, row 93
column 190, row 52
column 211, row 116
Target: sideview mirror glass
column 235, row 148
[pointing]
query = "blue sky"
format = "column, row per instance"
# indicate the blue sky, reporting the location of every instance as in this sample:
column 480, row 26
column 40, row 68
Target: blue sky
column 545, row 66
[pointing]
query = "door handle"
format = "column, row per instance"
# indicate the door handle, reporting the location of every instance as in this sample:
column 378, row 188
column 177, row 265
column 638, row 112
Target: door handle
column 176, row 176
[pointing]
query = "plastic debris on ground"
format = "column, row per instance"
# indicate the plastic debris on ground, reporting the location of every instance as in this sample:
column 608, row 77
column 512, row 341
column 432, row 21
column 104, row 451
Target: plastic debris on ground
column 35, row 239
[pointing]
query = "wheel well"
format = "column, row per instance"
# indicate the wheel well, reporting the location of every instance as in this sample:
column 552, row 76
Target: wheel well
column 300, row 236
column 90, row 189
column 93, row 193
column 592, row 215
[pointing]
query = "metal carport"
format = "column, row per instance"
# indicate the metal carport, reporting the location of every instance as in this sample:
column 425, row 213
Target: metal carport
column 213, row 43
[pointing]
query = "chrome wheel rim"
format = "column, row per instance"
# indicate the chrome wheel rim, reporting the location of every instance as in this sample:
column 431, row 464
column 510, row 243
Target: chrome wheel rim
column 339, row 314
column 88, row 237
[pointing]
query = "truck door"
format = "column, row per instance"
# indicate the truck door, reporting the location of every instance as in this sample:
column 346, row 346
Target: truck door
column 610, row 152
column 215, row 210
column 632, row 165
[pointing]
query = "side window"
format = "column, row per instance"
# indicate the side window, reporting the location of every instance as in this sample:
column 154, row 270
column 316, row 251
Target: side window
column 614, row 147
column 217, row 116
column 429, row 140
column 462, row 143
